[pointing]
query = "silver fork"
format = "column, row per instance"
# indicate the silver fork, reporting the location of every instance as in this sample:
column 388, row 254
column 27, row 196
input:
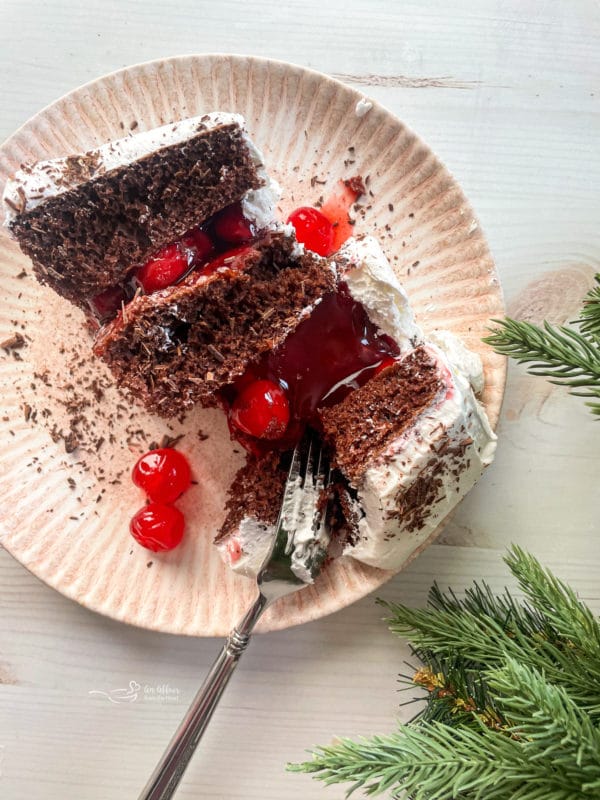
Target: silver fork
column 298, row 550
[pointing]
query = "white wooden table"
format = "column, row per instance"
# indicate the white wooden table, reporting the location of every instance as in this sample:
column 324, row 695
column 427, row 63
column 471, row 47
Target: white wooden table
column 507, row 92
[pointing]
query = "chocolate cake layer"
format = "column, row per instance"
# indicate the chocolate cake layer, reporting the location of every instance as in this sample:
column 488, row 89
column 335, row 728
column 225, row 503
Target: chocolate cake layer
column 257, row 490
column 177, row 347
column 88, row 238
column 360, row 427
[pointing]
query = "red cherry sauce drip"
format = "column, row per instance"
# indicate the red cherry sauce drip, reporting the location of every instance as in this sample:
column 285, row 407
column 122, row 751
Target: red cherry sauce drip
column 230, row 234
column 336, row 350
column 337, row 207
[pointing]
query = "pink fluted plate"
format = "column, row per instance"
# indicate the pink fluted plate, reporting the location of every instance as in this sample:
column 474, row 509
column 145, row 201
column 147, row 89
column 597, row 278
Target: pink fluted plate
column 64, row 515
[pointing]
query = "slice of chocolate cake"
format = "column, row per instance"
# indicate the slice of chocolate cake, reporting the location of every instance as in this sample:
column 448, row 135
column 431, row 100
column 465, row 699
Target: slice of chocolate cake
column 407, row 439
column 179, row 346
column 88, row 221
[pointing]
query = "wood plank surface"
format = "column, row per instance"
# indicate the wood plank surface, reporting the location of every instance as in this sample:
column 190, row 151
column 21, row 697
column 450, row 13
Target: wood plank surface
column 508, row 95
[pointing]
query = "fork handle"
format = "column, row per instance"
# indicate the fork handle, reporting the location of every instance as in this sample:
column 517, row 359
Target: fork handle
column 169, row 770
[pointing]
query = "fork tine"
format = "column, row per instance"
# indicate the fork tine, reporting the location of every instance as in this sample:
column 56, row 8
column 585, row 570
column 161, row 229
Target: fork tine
column 321, row 472
column 309, row 470
column 295, row 467
column 302, row 535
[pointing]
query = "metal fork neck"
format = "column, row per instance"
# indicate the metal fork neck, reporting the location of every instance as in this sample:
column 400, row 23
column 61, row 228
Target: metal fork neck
column 239, row 637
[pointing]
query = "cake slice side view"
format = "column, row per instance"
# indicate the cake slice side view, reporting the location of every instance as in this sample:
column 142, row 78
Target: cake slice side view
column 88, row 221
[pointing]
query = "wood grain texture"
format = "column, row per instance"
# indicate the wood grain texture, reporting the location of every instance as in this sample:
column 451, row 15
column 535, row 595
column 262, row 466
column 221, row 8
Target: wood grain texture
column 522, row 141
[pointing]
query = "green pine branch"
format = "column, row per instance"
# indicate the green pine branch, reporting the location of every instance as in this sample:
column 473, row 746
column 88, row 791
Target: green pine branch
column 559, row 605
column 440, row 762
column 567, row 356
column 482, row 641
column 589, row 322
column 548, row 723
column 513, row 700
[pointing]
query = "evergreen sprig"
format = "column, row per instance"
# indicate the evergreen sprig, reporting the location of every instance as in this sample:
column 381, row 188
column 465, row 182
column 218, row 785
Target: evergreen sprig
column 568, row 356
column 589, row 322
column 513, row 700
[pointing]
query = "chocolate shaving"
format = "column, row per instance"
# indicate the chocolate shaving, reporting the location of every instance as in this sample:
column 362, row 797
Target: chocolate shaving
column 13, row 342
column 170, row 441
column 71, row 442
column 216, row 353
column 12, row 205
column 356, row 184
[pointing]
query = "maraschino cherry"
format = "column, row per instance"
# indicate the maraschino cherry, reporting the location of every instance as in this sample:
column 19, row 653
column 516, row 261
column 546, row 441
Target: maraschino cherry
column 313, row 230
column 232, row 227
column 261, row 410
column 170, row 263
column 164, row 474
column 158, row 527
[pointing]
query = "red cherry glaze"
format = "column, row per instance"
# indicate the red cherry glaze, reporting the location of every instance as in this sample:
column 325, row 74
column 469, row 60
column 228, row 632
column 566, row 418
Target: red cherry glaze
column 334, row 351
column 313, row 230
column 198, row 245
column 328, row 355
column 336, row 209
column 158, row 527
column 165, row 268
column 232, row 259
column 232, row 227
column 387, row 362
column 189, row 253
column 261, row 410
column 234, row 548
column 163, row 474
column 245, row 379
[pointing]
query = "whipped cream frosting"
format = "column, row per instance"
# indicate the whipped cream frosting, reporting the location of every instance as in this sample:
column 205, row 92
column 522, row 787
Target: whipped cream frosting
column 444, row 452
column 32, row 185
column 363, row 267
column 363, row 107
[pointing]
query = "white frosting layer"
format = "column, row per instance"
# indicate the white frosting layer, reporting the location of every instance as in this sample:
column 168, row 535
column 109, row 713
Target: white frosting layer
column 259, row 205
column 363, row 267
column 31, row 186
column 465, row 361
column 246, row 549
